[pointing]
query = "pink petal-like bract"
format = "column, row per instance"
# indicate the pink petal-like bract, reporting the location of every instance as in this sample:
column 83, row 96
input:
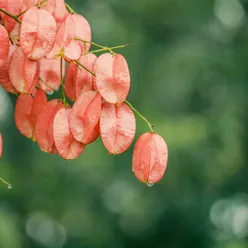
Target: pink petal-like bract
column 58, row 9
column 117, row 127
column 70, row 83
column 84, row 79
column 150, row 157
column 49, row 74
column 95, row 133
column 72, row 51
column 67, row 147
column 78, row 80
column 85, row 115
column 82, row 31
column 23, row 112
column 112, row 77
column 15, row 34
column 28, row 108
column 63, row 38
column 73, row 26
column 5, row 44
column 23, row 73
column 1, row 145
column 4, row 73
column 38, row 32
column 39, row 102
column 44, row 125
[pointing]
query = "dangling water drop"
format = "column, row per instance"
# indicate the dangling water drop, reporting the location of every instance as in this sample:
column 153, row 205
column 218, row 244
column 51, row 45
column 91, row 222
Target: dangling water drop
column 149, row 184
column 9, row 186
column 50, row 93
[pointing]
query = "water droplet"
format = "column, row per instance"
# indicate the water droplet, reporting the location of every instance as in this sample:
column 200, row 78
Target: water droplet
column 50, row 93
column 149, row 184
column 9, row 186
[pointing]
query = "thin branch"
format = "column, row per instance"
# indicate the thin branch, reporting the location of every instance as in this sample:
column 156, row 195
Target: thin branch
column 10, row 15
column 140, row 115
column 106, row 49
column 87, row 69
column 5, row 182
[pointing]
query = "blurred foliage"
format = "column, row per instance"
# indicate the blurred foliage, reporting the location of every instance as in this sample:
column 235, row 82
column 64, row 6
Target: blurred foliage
column 189, row 70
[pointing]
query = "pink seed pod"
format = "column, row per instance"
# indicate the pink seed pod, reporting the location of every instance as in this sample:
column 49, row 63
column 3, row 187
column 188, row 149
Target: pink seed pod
column 150, row 157
column 84, row 79
column 5, row 44
column 117, row 127
column 49, row 74
column 38, row 32
column 44, row 125
column 74, row 25
column 112, row 77
column 67, row 147
column 4, row 73
column 85, row 115
column 58, row 9
column 27, row 110
column 23, row 73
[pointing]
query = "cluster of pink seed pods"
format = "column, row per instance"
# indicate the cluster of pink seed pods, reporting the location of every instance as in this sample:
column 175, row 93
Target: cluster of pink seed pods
column 45, row 46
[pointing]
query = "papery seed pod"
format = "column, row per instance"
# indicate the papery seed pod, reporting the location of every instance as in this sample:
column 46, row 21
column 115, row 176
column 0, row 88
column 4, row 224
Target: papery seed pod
column 95, row 134
column 15, row 34
column 82, row 31
column 23, row 119
column 40, row 100
column 85, row 115
column 23, row 73
column 112, row 77
column 117, row 127
column 150, row 157
column 5, row 44
column 44, row 125
column 72, row 51
column 38, row 32
column 58, row 9
column 84, row 79
column 64, row 43
column 49, row 74
column 4, row 73
column 78, row 80
column 70, row 83
column 73, row 26
column 67, row 147
column 27, row 109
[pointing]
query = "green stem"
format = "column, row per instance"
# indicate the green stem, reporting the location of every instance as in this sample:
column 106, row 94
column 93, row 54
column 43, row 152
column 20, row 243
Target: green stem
column 106, row 49
column 46, row 84
column 38, row 4
column 70, row 9
column 128, row 103
column 88, row 70
column 5, row 182
column 62, row 81
column 140, row 115
column 95, row 44
column 10, row 15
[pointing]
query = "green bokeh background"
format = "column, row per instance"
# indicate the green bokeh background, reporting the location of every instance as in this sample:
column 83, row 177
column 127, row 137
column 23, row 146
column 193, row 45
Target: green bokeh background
column 188, row 61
